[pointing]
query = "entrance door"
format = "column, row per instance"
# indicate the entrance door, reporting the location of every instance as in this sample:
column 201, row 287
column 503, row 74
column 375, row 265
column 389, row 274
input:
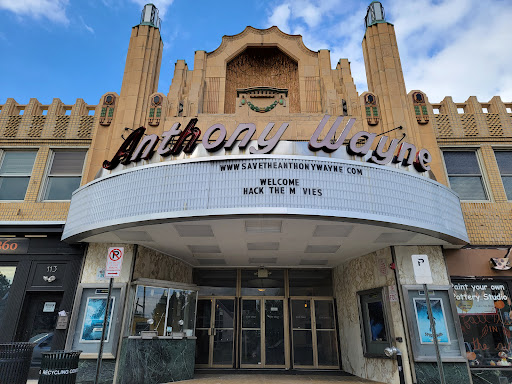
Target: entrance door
column 215, row 332
column 39, row 314
column 314, row 334
column 262, row 343
column 37, row 322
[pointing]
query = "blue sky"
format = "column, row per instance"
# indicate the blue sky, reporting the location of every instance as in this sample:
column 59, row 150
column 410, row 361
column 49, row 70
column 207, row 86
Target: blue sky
column 69, row 49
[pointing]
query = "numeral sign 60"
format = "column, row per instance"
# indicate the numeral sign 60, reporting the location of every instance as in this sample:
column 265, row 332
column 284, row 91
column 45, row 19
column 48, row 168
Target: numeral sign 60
column 6, row 246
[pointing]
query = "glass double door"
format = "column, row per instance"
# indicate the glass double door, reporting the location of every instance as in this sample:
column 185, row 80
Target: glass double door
column 261, row 333
column 314, row 333
column 254, row 332
column 215, row 332
column 262, row 340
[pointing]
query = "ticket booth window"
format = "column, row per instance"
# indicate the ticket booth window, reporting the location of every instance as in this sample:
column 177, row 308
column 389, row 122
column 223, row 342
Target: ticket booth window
column 167, row 311
column 374, row 324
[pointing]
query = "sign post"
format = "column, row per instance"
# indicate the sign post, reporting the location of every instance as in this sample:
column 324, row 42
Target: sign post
column 423, row 275
column 113, row 269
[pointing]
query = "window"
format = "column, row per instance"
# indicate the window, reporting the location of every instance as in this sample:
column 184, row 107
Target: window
column 255, row 285
column 504, row 159
column 484, row 309
column 166, row 311
column 6, row 278
column 304, row 282
column 64, row 175
column 374, row 323
column 15, row 170
column 215, row 282
column 464, row 174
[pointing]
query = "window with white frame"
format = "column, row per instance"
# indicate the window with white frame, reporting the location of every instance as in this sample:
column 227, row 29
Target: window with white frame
column 64, row 175
column 15, row 170
column 504, row 159
column 464, row 174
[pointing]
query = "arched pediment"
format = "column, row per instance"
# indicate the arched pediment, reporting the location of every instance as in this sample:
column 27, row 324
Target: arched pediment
column 232, row 45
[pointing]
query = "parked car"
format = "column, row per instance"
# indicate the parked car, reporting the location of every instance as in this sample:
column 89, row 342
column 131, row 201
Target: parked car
column 43, row 343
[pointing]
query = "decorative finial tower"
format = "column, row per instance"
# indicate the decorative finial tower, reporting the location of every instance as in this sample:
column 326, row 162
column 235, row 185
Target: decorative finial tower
column 150, row 16
column 140, row 81
column 386, row 80
column 374, row 14
column 384, row 72
column 141, row 73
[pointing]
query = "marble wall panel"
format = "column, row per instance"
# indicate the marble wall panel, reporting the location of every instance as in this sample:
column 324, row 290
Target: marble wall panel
column 428, row 373
column 156, row 361
column 151, row 264
column 491, row 376
column 96, row 259
column 87, row 372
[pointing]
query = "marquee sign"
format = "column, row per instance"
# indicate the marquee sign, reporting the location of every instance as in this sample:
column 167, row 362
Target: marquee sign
column 138, row 145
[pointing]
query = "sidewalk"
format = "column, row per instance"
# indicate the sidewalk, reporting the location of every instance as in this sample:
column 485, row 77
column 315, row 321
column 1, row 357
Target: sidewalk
column 256, row 378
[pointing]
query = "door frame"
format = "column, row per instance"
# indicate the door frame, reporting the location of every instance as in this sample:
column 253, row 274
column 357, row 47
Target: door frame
column 212, row 331
column 262, row 332
column 314, row 341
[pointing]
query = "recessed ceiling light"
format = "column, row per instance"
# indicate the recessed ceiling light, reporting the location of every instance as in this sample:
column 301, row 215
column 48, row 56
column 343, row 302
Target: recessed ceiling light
column 263, row 226
column 204, row 248
column 332, row 230
column 263, row 246
column 194, row 230
column 322, row 248
column 400, row 237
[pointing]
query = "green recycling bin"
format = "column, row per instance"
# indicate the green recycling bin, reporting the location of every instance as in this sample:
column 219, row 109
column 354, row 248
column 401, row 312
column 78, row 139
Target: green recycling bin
column 59, row 367
column 15, row 361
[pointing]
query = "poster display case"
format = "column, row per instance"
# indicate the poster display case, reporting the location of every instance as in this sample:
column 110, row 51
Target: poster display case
column 87, row 319
column 447, row 326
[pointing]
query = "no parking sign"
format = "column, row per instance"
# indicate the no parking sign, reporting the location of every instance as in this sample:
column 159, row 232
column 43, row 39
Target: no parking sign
column 114, row 262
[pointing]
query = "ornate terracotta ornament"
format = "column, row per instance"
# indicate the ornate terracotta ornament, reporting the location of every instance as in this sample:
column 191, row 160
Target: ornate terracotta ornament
column 250, row 96
column 420, row 108
column 372, row 110
column 155, row 110
column 107, row 109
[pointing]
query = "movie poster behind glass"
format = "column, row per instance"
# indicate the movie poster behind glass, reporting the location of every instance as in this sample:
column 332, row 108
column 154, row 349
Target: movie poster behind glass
column 485, row 311
column 448, row 334
column 92, row 326
column 424, row 329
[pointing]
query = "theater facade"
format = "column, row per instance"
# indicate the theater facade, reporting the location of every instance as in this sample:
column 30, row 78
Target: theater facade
column 269, row 216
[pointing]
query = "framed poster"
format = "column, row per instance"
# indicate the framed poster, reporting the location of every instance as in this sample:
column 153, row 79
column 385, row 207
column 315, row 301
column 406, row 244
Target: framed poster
column 86, row 321
column 425, row 332
column 92, row 325
column 449, row 335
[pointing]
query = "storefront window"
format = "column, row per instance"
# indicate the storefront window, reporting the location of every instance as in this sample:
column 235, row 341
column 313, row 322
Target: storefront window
column 6, row 278
column 485, row 309
column 164, row 310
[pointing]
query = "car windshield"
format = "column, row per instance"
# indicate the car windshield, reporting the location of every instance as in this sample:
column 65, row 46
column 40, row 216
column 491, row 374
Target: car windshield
column 38, row 337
